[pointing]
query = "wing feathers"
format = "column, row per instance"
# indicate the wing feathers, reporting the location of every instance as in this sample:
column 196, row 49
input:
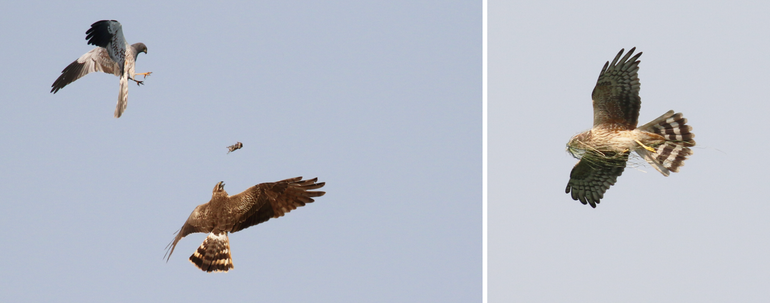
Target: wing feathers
column 615, row 97
column 593, row 176
column 110, row 57
column 102, row 31
column 255, row 205
column 96, row 60
column 273, row 200
column 198, row 221
column 109, row 34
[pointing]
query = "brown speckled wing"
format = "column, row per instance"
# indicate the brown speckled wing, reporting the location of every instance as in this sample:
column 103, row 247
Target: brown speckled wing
column 272, row 200
column 198, row 221
column 616, row 98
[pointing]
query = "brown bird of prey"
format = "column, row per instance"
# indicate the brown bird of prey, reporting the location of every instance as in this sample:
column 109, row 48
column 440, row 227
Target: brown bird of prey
column 234, row 147
column 112, row 55
column 226, row 213
column 603, row 151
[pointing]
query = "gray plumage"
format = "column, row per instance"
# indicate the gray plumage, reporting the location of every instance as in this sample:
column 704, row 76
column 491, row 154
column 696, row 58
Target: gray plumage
column 112, row 55
column 224, row 213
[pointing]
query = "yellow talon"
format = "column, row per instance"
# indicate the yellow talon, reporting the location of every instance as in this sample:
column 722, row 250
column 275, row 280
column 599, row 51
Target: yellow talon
column 645, row 146
column 144, row 74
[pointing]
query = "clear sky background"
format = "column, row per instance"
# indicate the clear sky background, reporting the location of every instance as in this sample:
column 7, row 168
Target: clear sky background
column 380, row 99
column 700, row 235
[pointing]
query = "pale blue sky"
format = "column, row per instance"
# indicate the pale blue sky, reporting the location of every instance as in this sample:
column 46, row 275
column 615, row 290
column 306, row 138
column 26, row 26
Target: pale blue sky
column 700, row 235
column 381, row 100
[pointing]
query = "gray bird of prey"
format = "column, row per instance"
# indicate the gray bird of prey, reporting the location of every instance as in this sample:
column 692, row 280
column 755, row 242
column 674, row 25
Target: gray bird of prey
column 225, row 213
column 112, row 55
column 603, row 150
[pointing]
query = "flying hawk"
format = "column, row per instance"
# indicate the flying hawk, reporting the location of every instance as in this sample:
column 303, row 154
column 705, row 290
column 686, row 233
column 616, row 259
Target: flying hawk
column 112, row 55
column 603, row 151
column 226, row 213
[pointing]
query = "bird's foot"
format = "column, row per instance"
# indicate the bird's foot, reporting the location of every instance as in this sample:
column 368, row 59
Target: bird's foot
column 144, row 74
column 645, row 146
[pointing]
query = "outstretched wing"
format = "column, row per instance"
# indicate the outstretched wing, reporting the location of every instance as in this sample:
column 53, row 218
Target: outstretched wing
column 197, row 222
column 261, row 202
column 96, row 60
column 593, row 176
column 616, row 95
column 109, row 34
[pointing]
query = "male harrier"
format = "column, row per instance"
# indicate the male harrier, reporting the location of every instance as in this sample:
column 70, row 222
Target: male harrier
column 113, row 55
column 604, row 150
column 226, row 213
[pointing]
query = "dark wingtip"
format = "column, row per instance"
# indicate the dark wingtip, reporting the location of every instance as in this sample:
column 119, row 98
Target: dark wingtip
column 99, row 33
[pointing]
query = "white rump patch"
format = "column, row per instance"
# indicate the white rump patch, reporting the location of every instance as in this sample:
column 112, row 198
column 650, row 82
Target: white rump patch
column 219, row 237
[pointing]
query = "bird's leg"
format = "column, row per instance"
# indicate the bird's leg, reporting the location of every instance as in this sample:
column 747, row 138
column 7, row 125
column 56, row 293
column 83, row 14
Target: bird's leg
column 140, row 82
column 645, row 146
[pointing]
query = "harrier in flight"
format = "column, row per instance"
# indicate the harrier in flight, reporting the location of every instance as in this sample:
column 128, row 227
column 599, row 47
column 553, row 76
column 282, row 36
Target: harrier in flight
column 226, row 213
column 603, row 150
column 112, row 55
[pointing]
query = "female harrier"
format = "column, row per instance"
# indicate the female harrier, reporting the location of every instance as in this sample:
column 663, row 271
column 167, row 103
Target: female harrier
column 226, row 213
column 604, row 150
column 113, row 55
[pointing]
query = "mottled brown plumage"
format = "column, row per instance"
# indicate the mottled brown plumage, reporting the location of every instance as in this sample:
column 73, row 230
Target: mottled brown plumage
column 224, row 213
column 234, row 147
column 603, row 151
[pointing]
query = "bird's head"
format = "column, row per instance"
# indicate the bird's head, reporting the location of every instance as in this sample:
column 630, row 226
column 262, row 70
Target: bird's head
column 576, row 145
column 219, row 189
column 139, row 47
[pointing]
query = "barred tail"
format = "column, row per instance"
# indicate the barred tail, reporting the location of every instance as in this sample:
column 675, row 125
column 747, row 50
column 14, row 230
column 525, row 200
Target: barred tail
column 213, row 254
column 670, row 155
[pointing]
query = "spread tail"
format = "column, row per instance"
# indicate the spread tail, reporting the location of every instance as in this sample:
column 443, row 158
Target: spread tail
column 213, row 254
column 670, row 155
